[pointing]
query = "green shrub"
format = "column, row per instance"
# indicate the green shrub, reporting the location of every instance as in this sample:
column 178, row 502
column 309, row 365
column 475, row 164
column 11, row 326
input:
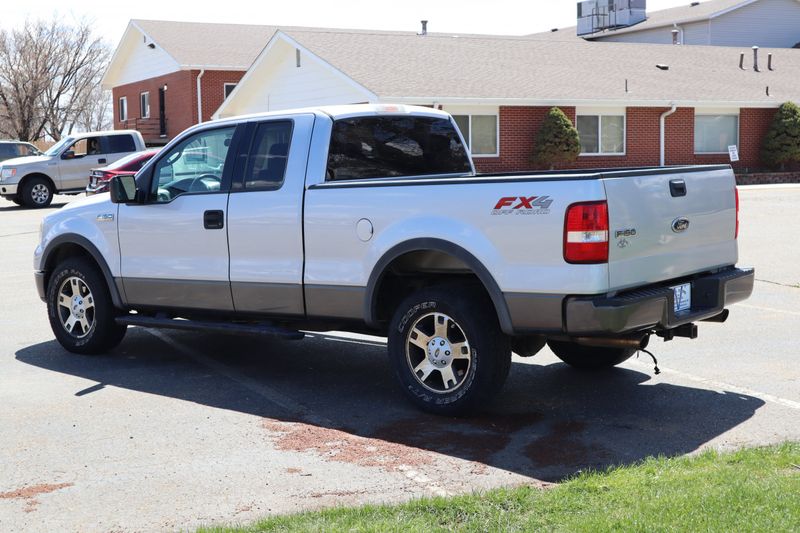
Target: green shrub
column 557, row 140
column 782, row 142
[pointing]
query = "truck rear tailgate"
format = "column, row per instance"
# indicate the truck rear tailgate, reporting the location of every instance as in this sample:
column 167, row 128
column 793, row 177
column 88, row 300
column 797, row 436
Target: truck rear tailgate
column 665, row 224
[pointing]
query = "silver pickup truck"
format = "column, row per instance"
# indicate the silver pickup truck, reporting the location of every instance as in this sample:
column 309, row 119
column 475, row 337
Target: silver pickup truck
column 372, row 219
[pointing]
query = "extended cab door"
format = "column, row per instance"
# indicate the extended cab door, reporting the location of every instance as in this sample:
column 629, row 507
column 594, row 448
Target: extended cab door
column 116, row 146
column 265, row 220
column 174, row 249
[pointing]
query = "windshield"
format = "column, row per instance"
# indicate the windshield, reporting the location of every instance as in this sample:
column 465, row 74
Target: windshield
column 56, row 148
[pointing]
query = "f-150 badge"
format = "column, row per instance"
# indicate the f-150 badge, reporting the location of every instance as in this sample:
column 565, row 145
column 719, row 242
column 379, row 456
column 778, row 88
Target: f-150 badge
column 523, row 205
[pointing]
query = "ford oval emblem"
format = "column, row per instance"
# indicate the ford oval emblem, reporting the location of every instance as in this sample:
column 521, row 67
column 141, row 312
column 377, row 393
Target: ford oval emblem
column 680, row 224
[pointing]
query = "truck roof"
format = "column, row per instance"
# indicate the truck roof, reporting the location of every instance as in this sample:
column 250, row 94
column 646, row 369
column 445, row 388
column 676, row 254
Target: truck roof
column 337, row 112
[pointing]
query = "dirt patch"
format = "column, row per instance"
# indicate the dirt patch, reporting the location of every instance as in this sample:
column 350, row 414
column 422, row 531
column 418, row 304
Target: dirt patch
column 563, row 446
column 340, row 446
column 293, row 470
column 30, row 493
column 405, row 442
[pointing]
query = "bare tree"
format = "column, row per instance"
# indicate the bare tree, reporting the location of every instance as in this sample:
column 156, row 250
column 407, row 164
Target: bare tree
column 49, row 75
column 94, row 112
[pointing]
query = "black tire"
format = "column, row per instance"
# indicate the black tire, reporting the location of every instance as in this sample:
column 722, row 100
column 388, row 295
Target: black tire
column 17, row 200
column 88, row 301
column 478, row 370
column 36, row 192
column 589, row 357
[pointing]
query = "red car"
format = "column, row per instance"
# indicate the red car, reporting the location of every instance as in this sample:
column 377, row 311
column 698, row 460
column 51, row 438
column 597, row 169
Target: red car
column 99, row 177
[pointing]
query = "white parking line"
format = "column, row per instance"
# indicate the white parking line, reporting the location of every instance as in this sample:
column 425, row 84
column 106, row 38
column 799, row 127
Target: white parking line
column 720, row 385
column 275, row 397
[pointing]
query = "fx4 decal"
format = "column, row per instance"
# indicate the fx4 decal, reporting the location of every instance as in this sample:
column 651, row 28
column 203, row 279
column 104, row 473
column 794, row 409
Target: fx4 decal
column 523, row 205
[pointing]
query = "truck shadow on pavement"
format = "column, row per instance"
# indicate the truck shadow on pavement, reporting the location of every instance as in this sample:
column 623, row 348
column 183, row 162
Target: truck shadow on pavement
column 338, row 399
column 15, row 207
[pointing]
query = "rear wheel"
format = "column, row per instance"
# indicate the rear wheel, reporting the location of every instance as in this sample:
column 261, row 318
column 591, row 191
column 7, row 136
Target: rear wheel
column 589, row 357
column 447, row 350
column 80, row 308
column 37, row 192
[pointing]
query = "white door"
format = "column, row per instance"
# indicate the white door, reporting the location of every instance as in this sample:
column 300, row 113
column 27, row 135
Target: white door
column 174, row 249
column 78, row 160
column 265, row 224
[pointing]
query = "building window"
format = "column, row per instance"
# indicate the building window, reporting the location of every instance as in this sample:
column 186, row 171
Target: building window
column 144, row 105
column 480, row 132
column 713, row 134
column 123, row 109
column 601, row 134
column 228, row 88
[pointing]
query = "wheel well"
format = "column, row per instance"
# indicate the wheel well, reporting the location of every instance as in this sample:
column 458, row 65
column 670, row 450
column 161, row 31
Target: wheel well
column 63, row 252
column 36, row 175
column 418, row 269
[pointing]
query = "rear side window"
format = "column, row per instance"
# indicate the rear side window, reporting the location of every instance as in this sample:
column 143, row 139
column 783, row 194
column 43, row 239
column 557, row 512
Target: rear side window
column 383, row 147
column 116, row 144
column 8, row 150
column 269, row 153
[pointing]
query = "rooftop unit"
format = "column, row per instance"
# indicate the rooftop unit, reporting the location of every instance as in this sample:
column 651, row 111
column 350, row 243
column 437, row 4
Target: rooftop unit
column 599, row 15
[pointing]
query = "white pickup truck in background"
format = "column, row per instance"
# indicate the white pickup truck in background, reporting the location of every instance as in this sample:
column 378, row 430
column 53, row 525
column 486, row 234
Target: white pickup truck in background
column 64, row 169
column 372, row 219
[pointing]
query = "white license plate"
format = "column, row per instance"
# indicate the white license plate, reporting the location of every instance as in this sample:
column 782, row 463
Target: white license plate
column 683, row 297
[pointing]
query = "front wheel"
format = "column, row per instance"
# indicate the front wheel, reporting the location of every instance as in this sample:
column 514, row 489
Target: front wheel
column 589, row 357
column 447, row 350
column 80, row 308
column 37, row 192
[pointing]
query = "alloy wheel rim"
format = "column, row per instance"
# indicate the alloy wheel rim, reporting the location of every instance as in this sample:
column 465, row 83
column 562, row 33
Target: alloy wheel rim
column 438, row 353
column 76, row 310
column 40, row 193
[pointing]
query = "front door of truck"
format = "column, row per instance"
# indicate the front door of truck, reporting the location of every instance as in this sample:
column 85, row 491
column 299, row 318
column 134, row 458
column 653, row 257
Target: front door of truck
column 77, row 161
column 265, row 222
column 174, row 248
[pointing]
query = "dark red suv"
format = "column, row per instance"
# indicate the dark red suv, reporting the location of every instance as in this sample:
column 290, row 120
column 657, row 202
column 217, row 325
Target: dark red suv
column 99, row 177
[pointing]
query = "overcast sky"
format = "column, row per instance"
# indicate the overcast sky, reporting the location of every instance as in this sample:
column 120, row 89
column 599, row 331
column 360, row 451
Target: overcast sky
column 502, row 17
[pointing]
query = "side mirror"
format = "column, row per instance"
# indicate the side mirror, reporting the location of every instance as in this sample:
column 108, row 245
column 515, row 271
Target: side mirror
column 69, row 154
column 123, row 189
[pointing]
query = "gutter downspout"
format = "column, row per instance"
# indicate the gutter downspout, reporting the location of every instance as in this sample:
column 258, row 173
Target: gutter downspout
column 200, row 97
column 663, row 131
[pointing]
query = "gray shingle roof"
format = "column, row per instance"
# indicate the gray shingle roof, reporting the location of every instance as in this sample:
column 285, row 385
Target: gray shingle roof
column 197, row 44
column 508, row 68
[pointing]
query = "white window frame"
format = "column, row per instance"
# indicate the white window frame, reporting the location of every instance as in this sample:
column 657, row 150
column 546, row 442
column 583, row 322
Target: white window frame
column 712, row 113
column 469, row 112
column 600, row 113
column 144, row 112
column 225, row 93
column 123, row 106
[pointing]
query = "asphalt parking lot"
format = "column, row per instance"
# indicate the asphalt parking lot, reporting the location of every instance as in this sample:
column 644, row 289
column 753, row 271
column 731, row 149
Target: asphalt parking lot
column 173, row 429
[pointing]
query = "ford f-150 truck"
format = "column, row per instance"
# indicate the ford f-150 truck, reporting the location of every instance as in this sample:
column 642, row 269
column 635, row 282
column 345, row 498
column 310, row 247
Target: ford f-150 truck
column 372, row 219
column 33, row 180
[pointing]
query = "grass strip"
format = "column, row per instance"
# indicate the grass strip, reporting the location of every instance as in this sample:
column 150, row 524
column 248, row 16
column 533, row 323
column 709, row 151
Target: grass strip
column 755, row 489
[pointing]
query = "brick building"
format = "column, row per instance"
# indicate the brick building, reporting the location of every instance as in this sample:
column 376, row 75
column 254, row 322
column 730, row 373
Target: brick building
column 167, row 76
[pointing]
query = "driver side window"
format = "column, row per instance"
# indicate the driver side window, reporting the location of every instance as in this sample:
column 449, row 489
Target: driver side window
column 193, row 166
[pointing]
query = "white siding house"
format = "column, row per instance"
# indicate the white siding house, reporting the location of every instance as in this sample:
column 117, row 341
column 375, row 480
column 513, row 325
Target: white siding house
column 133, row 62
column 288, row 77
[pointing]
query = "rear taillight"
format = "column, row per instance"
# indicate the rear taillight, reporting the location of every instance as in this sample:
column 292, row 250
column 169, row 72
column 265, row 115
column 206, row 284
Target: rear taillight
column 586, row 233
column 736, row 234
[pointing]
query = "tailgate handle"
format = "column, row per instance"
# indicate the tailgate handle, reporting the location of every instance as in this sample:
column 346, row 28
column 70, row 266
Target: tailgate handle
column 677, row 188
